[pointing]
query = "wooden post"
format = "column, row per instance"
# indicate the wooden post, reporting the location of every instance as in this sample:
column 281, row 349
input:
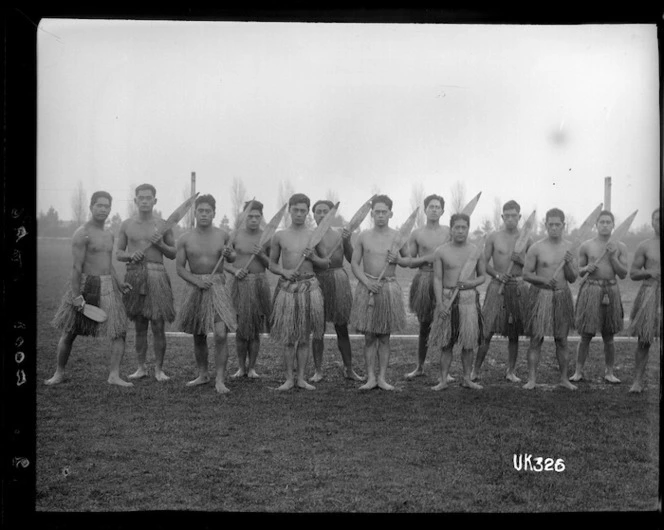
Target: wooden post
column 193, row 190
column 607, row 193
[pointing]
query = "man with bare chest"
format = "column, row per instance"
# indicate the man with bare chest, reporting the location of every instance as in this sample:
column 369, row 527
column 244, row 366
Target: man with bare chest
column 504, row 312
column 250, row 290
column 598, row 304
column 458, row 315
column 95, row 282
column 298, row 311
column 206, row 306
column 646, row 315
column 378, row 305
column 337, row 293
column 550, row 298
column 422, row 300
column 150, row 301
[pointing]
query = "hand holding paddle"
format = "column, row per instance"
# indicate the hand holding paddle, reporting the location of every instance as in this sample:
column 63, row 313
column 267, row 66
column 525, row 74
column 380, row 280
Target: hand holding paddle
column 520, row 244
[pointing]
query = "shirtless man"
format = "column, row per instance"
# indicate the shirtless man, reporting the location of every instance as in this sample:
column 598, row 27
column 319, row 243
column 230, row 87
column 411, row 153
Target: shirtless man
column 150, row 301
column 422, row 244
column 250, row 290
column 598, row 304
column 93, row 281
column 646, row 315
column 505, row 312
column 550, row 298
column 206, row 307
column 461, row 322
column 371, row 252
column 298, row 301
column 337, row 293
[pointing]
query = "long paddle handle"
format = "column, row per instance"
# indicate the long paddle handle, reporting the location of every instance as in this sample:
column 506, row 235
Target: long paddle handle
column 601, row 257
column 502, row 285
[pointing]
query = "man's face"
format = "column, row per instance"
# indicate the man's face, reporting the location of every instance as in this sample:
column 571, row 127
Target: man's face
column 100, row 209
column 298, row 213
column 204, row 214
column 145, row 201
column 381, row 214
column 511, row 218
column 254, row 219
column 460, row 231
column 655, row 223
column 605, row 225
column 554, row 227
column 320, row 212
column 434, row 210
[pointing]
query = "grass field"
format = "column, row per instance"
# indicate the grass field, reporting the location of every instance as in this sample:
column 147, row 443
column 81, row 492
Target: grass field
column 163, row 446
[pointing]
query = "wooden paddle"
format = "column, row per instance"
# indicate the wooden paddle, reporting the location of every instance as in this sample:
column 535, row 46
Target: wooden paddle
column 268, row 232
column 241, row 218
column 468, row 268
column 319, row 232
column 619, row 233
column 520, row 244
column 354, row 223
column 469, row 208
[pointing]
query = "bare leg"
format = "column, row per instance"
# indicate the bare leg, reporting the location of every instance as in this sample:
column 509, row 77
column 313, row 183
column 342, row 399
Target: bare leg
column 220, row 356
column 383, row 361
column 422, row 345
column 62, row 355
column 117, row 352
column 640, row 362
column 343, row 343
column 254, row 347
column 141, row 325
column 481, row 354
column 581, row 356
column 370, row 352
column 512, row 353
column 241, row 347
column 445, row 363
column 467, row 362
column 302, row 352
column 562, row 353
column 159, row 338
column 533, row 360
column 317, row 346
column 289, row 362
column 609, row 357
column 201, row 355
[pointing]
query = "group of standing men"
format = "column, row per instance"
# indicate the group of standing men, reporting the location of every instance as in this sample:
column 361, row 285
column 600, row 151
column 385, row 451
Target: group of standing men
column 525, row 295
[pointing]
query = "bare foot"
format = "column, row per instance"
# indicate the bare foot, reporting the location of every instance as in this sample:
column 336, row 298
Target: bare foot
column 511, row 377
column 371, row 383
column 415, row 373
column 252, row 373
column 239, row 373
column 57, row 378
column 636, row 387
column 316, row 377
column 349, row 373
column 474, row 376
column 467, row 383
column 221, row 388
column 611, row 378
column 450, row 379
column 440, row 386
column 567, row 384
column 115, row 380
column 200, row 380
column 287, row 385
column 159, row 375
column 139, row 374
column 529, row 385
column 576, row 377
column 303, row 384
column 384, row 384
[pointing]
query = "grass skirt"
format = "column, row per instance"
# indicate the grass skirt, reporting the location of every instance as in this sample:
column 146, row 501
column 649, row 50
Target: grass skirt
column 463, row 326
column 551, row 314
column 297, row 311
column 151, row 296
column 506, row 313
column 337, row 295
column 599, row 308
column 646, row 317
column 388, row 313
column 422, row 299
column 201, row 308
column 253, row 305
column 102, row 292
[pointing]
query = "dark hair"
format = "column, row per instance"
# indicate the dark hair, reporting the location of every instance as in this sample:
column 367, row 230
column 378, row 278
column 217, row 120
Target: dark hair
column 324, row 201
column 555, row 212
column 257, row 205
column 98, row 194
column 146, row 187
column 512, row 205
column 208, row 199
column 456, row 216
column 605, row 212
column 298, row 198
column 434, row 197
column 381, row 198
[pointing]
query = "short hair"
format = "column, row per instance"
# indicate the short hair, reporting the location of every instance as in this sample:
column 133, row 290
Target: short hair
column 512, row 205
column 456, row 216
column 146, row 187
column 322, row 201
column 605, row 212
column 554, row 212
column 257, row 205
column 298, row 198
column 97, row 194
column 208, row 199
column 434, row 197
column 653, row 213
column 381, row 198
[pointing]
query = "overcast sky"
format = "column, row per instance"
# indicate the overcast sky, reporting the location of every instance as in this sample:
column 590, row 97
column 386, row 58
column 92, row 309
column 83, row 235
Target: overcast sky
column 539, row 114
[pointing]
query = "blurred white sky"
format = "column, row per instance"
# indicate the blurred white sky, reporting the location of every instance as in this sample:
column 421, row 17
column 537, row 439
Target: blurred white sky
column 539, row 114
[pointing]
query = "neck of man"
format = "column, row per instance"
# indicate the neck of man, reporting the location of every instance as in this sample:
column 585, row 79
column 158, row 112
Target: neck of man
column 145, row 216
column 294, row 226
column 459, row 243
column 203, row 229
column 97, row 224
column 512, row 231
column 433, row 223
column 604, row 238
column 381, row 229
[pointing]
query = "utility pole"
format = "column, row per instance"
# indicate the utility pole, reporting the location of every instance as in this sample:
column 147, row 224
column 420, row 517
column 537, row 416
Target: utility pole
column 193, row 191
column 607, row 193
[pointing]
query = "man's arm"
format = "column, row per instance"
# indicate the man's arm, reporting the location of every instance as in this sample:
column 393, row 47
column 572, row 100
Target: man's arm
column 165, row 243
column 181, row 262
column 356, row 266
column 480, row 274
column 275, row 254
column 416, row 260
column 121, row 254
column 488, row 255
column 584, row 266
column 570, row 270
column 78, row 247
column 529, row 268
column 618, row 259
column 348, row 246
column 637, row 271
column 438, row 277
